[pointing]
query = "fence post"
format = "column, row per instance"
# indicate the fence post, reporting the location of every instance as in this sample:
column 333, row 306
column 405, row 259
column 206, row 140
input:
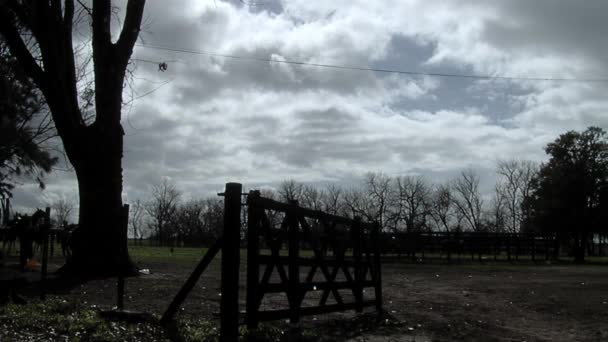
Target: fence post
column 547, row 249
column 45, row 252
column 253, row 267
column 229, row 303
column 508, row 239
column 356, row 236
column 375, row 237
column 294, row 293
column 533, row 246
column 449, row 245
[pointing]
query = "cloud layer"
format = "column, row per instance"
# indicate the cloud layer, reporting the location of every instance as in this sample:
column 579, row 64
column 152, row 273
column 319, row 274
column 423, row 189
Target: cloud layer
column 210, row 119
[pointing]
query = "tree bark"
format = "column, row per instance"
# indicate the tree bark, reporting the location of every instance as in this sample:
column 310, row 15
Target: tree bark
column 98, row 246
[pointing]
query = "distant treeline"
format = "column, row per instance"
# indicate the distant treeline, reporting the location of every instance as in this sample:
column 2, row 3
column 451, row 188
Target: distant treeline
column 566, row 196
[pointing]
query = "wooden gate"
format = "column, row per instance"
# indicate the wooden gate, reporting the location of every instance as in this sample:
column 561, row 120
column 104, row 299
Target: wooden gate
column 326, row 244
column 311, row 254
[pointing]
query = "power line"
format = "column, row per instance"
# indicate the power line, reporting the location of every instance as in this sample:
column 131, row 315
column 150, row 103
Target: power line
column 379, row 70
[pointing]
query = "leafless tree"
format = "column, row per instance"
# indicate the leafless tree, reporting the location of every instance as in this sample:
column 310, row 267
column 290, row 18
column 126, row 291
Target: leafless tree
column 312, row 197
column 212, row 219
column 377, row 192
column 188, row 223
column 515, row 179
column 356, row 204
column 498, row 210
column 333, row 200
column 62, row 210
column 443, row 210
column 467, row 199
column 290, row 190
column 410, row 205
column 162, row 209
column 136, row 219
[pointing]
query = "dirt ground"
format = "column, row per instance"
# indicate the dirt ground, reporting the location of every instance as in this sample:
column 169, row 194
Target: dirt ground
column 423, row 302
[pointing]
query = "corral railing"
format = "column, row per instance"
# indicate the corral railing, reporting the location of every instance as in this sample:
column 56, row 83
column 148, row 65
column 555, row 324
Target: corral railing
column 311, row 254
column 477, row 245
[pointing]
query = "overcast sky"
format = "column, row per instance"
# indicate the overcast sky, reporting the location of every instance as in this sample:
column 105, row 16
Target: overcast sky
column 211, row 119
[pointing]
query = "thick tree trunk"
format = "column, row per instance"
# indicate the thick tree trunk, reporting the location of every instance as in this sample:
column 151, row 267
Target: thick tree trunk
column 100, row 245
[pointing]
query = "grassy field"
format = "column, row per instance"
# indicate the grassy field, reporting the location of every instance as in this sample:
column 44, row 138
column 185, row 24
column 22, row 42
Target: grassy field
column 145, row 253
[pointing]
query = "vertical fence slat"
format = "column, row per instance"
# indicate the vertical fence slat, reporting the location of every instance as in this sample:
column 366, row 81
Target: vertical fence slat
column 229, row 303
column 253, row 267
column 294, row 295
column 356, row 236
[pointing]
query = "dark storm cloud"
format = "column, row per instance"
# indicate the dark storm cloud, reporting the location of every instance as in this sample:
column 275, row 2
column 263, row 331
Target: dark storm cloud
column 568, row 27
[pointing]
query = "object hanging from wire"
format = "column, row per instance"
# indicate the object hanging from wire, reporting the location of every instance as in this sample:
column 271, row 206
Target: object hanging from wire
column 162, row 66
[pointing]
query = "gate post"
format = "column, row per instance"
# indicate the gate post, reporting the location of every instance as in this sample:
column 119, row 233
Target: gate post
column 253, row 267
column 229, row 303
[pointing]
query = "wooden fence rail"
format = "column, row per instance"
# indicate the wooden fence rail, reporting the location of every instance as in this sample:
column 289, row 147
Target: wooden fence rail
column 328, row 237
column 480, row 245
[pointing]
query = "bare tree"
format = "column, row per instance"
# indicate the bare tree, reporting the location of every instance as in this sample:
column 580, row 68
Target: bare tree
column 290, row 190
column 162, row 209
column 410, row 205
column 443, row 210
column 136, row 219
column 188, row 221
column 498, row 211
column 311, row 197
column 377, row 192
column 332, row 200
column 212, row 219
column 515, row 177
column 467, row 199
column 355, row 204
column 62, row 210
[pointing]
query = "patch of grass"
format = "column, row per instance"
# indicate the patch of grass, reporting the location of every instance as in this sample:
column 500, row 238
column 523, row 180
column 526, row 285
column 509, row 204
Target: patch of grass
column 179, row 254
column 57, row 319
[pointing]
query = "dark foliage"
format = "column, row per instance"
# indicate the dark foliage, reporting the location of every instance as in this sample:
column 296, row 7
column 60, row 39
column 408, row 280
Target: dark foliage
column 570, row 190
column 24, row 126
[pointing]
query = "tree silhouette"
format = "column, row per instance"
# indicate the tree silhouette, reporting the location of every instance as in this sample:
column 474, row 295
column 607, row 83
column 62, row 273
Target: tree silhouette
column 162, row 210
column 468, row 200
column 569, row 191
column 39, row 35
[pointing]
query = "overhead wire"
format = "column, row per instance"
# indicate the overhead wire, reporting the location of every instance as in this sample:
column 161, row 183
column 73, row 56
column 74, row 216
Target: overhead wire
column 378, row 70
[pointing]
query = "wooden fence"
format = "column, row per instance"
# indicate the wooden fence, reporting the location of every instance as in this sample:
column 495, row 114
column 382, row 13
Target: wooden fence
column 477, row 245
column 333, row 245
